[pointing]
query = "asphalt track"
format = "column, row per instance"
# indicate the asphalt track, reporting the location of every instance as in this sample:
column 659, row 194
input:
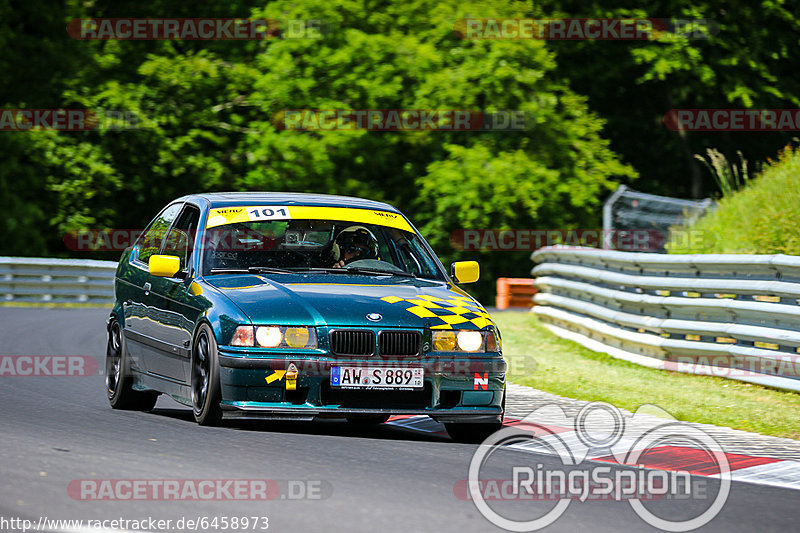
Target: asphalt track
column 55, row 430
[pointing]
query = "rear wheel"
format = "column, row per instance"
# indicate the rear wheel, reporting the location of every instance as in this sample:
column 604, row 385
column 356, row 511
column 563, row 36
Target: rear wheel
column 118, row 380
column 206, row 393
column 367, row 420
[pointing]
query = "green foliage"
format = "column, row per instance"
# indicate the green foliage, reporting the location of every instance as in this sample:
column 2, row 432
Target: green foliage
column 207, row 112
column 406, row 56
column 208, row 122
column 761, row 218
column 729, row 176
column 747, row 61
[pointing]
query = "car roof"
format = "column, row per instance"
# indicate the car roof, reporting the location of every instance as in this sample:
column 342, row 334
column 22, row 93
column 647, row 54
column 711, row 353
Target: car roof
column 230, row 199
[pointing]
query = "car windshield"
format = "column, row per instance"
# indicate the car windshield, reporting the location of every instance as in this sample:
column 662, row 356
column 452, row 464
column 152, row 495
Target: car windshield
column 276, row 246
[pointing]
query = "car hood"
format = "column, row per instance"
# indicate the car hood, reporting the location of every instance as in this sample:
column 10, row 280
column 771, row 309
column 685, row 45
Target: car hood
column 347, row 299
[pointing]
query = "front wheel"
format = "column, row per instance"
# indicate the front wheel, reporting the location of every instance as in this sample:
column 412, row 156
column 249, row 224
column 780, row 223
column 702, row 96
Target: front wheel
column 119, row 389
column 206, row 393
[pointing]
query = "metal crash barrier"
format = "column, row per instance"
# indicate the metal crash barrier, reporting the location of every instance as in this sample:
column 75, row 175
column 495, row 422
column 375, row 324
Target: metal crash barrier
column 733, row 316
column 32, row 279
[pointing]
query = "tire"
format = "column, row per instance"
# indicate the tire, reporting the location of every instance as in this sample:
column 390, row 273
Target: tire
column 206, row 392
column 476, row 433
column 367, row 420
column 119, row 383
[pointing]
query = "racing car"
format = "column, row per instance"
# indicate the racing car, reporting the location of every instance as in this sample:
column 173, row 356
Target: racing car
column 300, row 306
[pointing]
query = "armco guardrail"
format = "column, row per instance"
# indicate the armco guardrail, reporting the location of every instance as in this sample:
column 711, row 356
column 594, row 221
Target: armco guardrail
column 734, row 316
column 32, row 279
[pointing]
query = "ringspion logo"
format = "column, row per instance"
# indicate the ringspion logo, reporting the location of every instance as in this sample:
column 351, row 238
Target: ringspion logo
column 587, row 445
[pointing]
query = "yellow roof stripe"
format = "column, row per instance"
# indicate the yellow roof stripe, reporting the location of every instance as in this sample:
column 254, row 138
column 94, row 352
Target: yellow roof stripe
column 231, row 215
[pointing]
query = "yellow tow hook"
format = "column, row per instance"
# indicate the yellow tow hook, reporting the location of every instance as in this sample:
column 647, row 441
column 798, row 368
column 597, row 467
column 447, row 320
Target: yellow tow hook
column 291, row 377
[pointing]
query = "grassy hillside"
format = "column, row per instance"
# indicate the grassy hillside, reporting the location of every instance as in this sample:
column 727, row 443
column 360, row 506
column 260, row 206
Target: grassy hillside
column 761, row 218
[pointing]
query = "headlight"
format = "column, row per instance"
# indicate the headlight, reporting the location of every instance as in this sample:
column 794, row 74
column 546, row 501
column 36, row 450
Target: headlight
column 469, row 341
column 269, row 336
column 275, row 337
column 464, row 340
column 444, row 341
column 297, row 337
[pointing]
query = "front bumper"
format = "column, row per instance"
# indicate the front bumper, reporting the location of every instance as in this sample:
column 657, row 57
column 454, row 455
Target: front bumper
column 457, row 388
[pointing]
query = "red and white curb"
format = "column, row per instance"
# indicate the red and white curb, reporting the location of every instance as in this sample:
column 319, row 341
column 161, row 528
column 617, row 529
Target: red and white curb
column 744, row 468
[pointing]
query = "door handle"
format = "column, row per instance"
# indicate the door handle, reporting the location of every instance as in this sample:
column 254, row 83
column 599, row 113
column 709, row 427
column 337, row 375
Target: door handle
column 147, row 288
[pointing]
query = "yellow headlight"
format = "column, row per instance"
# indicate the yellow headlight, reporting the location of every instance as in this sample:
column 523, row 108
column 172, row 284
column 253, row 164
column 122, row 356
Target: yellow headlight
column 444, row 341
column 296, row 337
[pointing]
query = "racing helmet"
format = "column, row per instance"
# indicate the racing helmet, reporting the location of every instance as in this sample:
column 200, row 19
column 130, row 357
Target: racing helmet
column 356, row 240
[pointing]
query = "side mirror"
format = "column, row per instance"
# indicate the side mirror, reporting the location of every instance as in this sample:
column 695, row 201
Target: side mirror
column 465, row 271
column 165, row 266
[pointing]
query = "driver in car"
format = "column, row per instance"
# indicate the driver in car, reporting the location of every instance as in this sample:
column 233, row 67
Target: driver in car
column 352, row 244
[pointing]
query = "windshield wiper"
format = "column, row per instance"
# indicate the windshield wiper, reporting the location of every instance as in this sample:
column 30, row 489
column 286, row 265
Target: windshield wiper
column 229, row 271
column 359, row 270
column 332, row 270
column 251, row 270
column 269, row 270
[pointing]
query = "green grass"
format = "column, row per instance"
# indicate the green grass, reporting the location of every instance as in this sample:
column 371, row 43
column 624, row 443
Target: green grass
column 542, row 360
column 760, row 218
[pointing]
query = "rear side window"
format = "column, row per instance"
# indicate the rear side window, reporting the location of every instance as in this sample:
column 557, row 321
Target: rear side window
column 152, row 239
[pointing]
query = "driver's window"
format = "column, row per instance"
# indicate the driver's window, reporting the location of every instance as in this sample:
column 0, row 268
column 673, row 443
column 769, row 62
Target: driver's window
column 180, row 239
column 151, row 241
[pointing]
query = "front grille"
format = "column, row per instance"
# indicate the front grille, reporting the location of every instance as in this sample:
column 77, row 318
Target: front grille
column 352, row 342
column 399, row 343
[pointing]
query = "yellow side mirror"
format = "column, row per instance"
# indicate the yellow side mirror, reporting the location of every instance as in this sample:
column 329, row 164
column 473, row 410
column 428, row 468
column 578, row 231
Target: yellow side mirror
column 165, row 266
column 465, row 271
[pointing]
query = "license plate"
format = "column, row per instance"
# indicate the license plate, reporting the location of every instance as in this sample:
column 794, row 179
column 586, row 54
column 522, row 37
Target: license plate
column 363, row 377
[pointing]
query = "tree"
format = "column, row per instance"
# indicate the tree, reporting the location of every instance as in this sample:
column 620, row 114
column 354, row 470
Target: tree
column 746, row 61
column 211, row 120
